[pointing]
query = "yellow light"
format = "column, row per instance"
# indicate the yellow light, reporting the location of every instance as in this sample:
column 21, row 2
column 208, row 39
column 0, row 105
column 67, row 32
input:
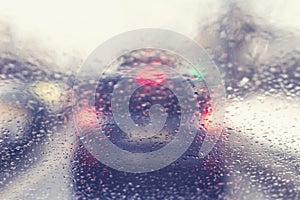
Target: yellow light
column 55, row 96
column 47, row 91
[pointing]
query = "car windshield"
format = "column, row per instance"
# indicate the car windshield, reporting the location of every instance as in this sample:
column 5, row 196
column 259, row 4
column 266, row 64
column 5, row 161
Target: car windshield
column 142, row 127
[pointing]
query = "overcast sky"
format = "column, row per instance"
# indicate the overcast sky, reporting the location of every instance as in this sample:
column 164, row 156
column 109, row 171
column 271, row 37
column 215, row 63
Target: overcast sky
column 81, row 26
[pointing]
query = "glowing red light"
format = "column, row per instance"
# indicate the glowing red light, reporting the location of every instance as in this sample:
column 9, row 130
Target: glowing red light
column 207, row 117
column 87, row 117
column 206, row 120
column 150, row 75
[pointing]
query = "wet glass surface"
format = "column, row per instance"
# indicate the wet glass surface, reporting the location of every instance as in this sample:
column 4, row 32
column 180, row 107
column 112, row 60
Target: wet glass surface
column 43, row 155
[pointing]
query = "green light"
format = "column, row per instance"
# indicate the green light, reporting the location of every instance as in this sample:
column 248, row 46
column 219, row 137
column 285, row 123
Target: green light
column 197, row 75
